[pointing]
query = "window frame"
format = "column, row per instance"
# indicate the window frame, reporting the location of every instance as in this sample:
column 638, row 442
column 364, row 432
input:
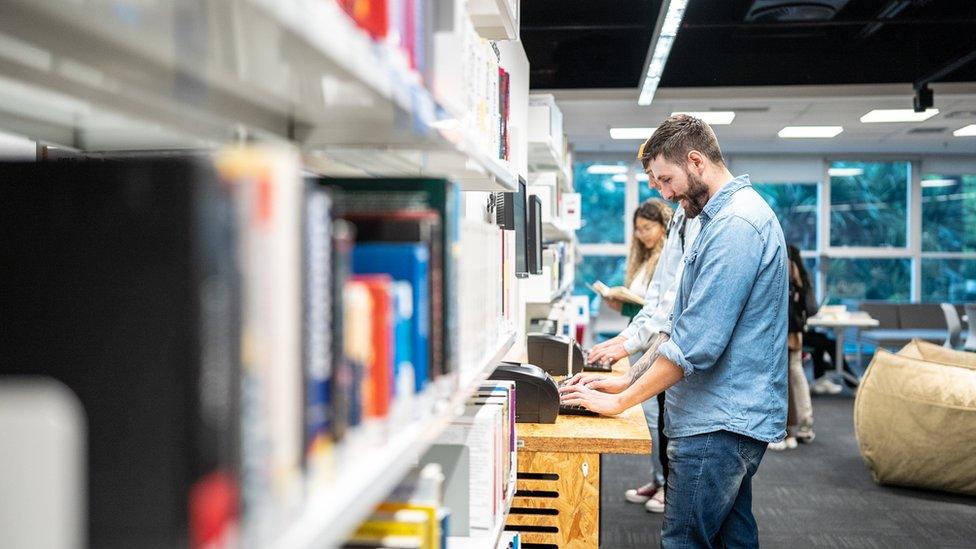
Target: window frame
column 919, row 166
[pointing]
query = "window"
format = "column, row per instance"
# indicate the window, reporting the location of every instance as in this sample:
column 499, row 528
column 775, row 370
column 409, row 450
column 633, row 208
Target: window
column 869, row 203
column 795, row 205
column 860, row 279
column 948, row 213
column 608, row 269
column 603, row 194
column 644, row 191
column 949, row 280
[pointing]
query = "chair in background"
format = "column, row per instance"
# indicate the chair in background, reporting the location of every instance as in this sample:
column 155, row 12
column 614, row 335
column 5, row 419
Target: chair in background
column 953, row 326
column 971, row 320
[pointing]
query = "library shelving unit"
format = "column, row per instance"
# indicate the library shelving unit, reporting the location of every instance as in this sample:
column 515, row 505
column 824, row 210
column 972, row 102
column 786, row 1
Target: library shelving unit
column 114, row 76
column 550, row 178
column 492, row 539
column 333, row 514
column 185, row 77
column 495, row 19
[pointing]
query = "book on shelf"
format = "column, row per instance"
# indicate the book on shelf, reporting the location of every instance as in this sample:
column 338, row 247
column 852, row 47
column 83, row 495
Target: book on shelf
column 122, row 283
column 619, row 293
column 401, row 204
column 269, row 197
column 408, row 263
column 377, row 386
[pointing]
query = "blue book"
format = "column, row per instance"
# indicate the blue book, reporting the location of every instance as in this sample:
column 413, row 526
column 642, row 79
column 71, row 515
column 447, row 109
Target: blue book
column 403, row 371
column 410, row 263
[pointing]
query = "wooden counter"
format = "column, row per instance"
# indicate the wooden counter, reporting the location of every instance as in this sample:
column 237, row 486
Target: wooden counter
column 623, row 434
column 557, row 500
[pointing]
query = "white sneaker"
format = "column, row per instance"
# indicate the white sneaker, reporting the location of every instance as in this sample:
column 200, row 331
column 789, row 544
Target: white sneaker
column 826, row 386
column 656, row 503
column 642, row 494
column 788, row 443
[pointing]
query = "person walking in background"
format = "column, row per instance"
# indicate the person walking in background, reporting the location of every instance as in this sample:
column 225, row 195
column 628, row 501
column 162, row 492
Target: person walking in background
column 799, row 418
column 650, row 226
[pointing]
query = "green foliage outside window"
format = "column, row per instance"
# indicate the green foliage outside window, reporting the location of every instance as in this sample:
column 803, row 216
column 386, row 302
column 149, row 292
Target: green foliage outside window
column 948, row 213
column 869, row 207
column 603, row 205
column 795, row 205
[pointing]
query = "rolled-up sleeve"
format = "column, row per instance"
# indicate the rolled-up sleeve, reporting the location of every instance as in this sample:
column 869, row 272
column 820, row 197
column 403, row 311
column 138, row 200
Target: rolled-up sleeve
column 727, row 262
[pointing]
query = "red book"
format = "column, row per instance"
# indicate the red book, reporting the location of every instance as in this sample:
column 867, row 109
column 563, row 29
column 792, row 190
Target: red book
column 377, row 386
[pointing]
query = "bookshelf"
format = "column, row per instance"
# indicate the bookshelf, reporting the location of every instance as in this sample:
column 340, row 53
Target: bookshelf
column 118, row 79
column 121, row 77
column 556, row 230
column 334, row 511
column 494, row 536
column 495, row 19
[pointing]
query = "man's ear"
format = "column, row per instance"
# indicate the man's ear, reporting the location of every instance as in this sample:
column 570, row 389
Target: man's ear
column 696, row 162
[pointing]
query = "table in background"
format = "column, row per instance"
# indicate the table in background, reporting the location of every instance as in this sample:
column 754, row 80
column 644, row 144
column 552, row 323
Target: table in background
column 840, row 325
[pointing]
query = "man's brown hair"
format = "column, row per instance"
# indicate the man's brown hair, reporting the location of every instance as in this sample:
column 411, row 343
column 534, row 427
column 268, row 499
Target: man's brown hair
column 676, row 137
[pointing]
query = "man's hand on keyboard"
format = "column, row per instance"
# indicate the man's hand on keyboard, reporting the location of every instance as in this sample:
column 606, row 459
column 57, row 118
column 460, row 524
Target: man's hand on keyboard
column 607, row 352
column 603, row 403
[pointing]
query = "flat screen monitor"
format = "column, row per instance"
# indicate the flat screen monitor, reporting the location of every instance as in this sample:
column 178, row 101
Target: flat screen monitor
column 521, row 222
column 533, row 244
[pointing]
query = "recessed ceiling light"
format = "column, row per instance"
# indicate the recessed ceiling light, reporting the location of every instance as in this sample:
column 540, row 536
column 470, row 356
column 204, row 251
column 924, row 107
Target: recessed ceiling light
column 939, row 182
column 606, row 169
column 800, row 132
column 845, row 172
column 631, row 133
column 620, row 178
column 966, row 131
column 712, row 118
column 898, row 115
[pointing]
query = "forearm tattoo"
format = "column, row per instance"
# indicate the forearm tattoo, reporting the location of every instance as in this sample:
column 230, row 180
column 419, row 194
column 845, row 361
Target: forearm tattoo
column 647, row 359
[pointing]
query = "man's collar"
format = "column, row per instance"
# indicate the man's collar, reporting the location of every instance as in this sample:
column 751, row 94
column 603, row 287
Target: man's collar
column 724, row 194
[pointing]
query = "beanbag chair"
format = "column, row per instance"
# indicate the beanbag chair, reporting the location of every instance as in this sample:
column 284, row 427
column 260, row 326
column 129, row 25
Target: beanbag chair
column 915, row 418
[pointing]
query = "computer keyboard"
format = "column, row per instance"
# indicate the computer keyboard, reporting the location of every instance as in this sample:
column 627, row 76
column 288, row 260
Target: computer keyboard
column 573, row 409
column 595, row 367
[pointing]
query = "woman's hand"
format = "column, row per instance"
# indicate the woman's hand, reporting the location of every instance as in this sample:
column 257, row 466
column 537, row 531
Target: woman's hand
column 602, row 403
column 614, row 304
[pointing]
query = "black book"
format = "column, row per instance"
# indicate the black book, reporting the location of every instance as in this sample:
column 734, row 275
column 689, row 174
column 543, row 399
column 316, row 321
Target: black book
column 120, row 281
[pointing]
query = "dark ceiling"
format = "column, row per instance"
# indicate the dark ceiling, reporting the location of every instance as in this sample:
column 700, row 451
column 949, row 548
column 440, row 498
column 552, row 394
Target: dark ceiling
column 603, row 43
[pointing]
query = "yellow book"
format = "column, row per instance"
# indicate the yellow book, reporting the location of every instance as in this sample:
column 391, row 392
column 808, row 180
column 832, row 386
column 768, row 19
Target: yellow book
column 430, row 511
column 398, row 523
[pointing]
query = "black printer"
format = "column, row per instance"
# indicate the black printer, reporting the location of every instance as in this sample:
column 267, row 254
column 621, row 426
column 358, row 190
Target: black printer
column 559, row 355
column 536, row 395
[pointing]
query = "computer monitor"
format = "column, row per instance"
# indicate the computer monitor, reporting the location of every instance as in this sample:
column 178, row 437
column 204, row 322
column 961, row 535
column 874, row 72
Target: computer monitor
column 511, row 215
column 533, row 236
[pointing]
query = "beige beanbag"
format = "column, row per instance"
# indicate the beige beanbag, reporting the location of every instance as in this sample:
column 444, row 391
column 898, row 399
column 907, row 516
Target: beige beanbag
column 915, row 418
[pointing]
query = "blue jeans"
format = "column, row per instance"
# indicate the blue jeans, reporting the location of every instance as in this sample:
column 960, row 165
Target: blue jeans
column 708, row 502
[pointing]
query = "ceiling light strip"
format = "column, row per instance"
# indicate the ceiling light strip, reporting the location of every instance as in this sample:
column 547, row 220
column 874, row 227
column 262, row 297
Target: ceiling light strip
column 668, row 23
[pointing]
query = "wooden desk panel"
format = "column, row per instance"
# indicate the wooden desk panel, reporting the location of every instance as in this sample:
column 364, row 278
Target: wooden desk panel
column 623, row 434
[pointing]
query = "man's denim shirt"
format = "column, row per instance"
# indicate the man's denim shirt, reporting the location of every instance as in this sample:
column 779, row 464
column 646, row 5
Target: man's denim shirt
column 730, row 323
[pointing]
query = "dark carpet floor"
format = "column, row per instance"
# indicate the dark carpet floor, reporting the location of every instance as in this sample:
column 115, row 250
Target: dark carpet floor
column 818, row 495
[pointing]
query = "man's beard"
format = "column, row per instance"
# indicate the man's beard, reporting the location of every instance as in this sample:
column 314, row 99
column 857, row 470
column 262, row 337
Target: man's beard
column 697, row 196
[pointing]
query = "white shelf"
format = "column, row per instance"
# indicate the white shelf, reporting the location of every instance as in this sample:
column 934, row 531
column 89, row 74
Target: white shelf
column 543, row 157
column 368, row 472
column 111, row 76
column 489, row 541
column 495, row 19
column 555, row 230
